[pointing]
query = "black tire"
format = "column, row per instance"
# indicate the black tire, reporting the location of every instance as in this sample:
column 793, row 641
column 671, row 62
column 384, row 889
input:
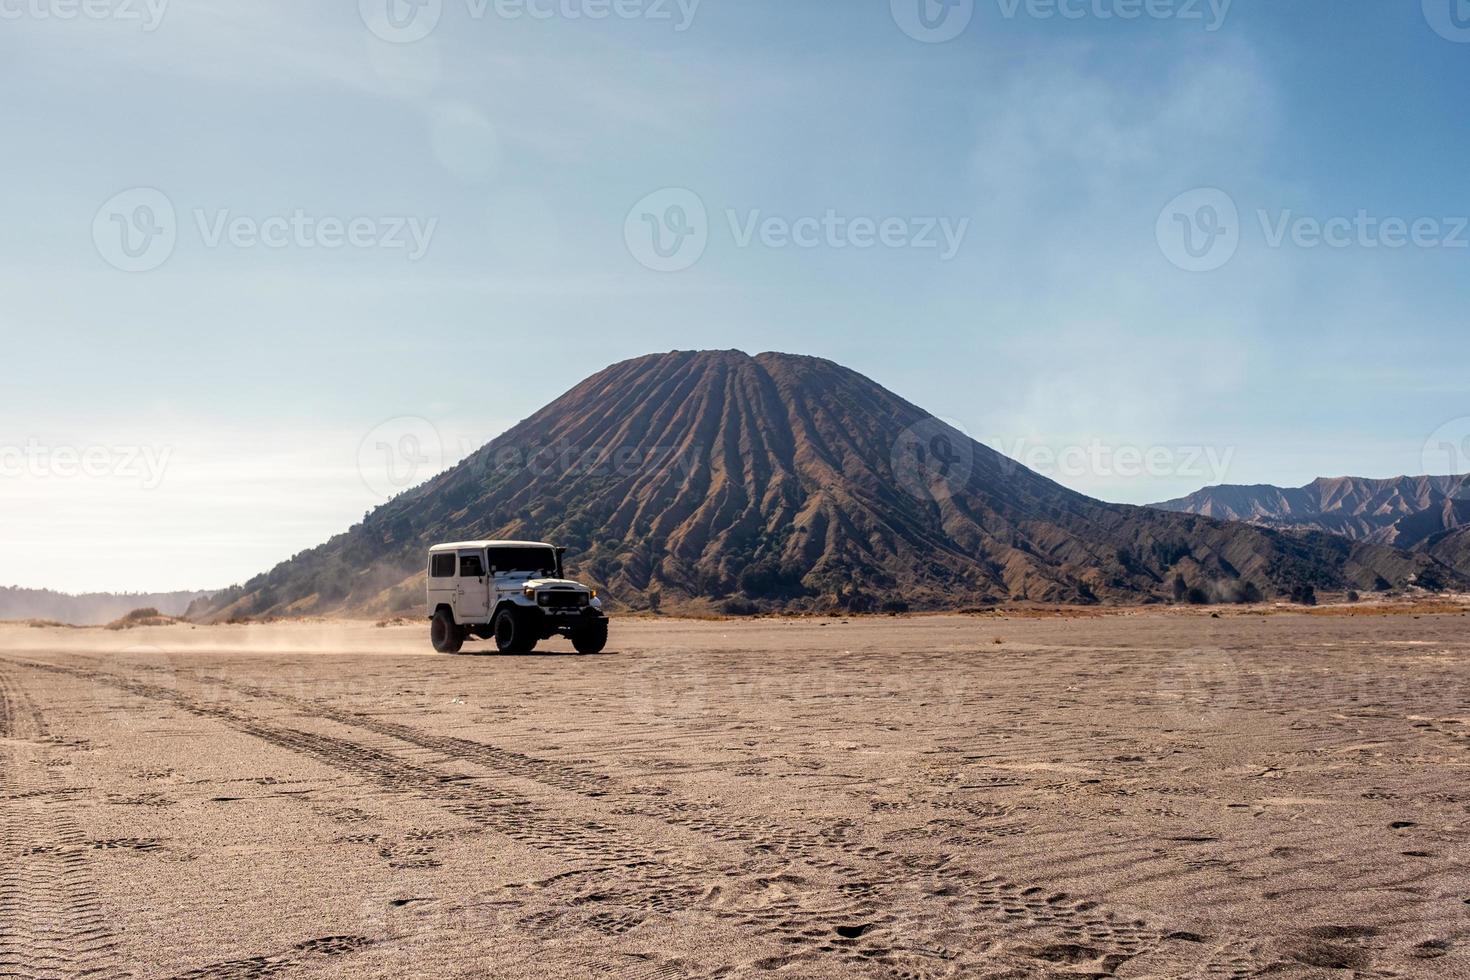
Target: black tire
column 446, row 635
column 590, row 639
column 513, row 631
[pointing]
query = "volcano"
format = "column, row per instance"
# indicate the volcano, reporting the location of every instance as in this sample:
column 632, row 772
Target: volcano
column 717, row 481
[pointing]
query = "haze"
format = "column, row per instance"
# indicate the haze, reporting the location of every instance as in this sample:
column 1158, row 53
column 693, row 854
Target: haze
column 508, row 157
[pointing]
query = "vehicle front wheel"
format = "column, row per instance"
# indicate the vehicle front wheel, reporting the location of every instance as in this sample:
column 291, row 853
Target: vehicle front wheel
column 446, row 635
column 590, row 639
column 512, row 632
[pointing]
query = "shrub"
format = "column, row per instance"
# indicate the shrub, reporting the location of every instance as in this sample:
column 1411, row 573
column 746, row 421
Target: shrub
column 1429, row 581
column 1304, row 595
column 739, row 607
column 768, row 580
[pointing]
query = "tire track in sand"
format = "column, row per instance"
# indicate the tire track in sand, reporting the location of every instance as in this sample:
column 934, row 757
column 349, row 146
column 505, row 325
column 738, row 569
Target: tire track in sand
column 53, row 924
column 1028, row 924
column 638, row 879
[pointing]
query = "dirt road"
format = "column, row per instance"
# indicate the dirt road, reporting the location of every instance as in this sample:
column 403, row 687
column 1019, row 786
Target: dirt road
column 1143, row 795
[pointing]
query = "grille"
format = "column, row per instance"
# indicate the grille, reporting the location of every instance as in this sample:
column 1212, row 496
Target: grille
column 562, row 600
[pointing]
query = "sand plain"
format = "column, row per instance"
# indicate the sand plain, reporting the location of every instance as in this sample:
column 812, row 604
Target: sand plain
column 1145, row 794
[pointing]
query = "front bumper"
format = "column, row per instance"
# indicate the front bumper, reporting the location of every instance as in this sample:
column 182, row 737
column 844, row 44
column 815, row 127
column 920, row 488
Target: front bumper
column 552, row 622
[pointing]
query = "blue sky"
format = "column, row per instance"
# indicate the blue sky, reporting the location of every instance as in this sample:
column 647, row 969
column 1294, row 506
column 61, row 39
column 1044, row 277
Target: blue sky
column 1061, row 152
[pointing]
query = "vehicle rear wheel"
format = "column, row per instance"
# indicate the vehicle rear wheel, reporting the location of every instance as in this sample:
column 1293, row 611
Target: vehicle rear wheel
column 590, row 639
column 446, row 635
column 513, row 632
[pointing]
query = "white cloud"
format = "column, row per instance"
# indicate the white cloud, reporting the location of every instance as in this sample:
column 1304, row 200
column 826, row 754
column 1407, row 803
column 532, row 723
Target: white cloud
column 227, row 503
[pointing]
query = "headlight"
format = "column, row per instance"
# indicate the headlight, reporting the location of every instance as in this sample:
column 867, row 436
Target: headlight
column 528, row 592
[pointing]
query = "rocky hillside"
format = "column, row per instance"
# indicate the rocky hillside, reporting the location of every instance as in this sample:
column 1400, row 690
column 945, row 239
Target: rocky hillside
column 717, row 480
column 1409, row 512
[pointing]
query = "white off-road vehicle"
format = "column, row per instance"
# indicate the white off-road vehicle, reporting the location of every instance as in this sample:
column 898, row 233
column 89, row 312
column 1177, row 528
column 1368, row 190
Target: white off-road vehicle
column 512, row 592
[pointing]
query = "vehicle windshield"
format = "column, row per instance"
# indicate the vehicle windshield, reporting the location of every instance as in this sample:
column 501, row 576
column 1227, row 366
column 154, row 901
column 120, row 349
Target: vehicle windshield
column 536, row 561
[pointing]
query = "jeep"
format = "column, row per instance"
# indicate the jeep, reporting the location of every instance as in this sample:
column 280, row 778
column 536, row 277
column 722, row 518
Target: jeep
column 514, row 592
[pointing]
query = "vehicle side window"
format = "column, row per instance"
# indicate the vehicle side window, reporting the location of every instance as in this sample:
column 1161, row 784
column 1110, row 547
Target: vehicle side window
column 470, row 566
column 442, row 566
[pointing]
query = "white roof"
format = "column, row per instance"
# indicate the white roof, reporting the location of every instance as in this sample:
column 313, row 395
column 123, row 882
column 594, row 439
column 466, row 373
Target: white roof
column 477, row 545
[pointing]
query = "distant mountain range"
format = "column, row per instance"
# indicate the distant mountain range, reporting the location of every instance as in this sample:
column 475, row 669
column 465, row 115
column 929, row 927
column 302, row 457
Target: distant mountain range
column 1425, row 514
column 714, row 480
column 92, row 609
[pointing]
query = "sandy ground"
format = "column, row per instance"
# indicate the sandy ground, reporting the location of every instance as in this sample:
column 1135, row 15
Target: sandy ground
column 1157, row 795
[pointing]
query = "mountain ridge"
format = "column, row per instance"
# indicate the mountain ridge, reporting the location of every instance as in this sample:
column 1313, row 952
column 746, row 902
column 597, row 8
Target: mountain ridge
column 709, row 480
column 90, row 608
column 1407, row 512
